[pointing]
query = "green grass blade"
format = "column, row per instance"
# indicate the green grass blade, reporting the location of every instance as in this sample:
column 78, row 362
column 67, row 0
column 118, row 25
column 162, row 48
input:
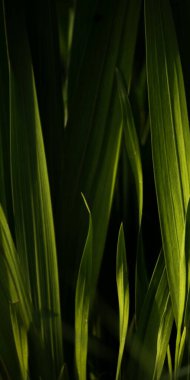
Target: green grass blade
column 82, row 303
column 187, row 253
column 131, row 142
column 123, row 295
column 21, row 341
column 163, row 339
column 149, row 345
column 31, row 195
column 170, row 141
column 134, row 156
column 15, row 288
column 13, row 292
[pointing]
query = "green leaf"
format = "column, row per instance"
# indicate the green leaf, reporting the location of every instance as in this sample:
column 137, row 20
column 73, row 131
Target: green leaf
column 13, row 293
column 35, row 238
column 163, row 339
column 131, row 142
column 123, row 295
column 170, row 142
column 180, row 350
column 187, row 254
column 82, row 302
column 12, row 277
column 21, row 341
column 133, row 152
column 149, row 344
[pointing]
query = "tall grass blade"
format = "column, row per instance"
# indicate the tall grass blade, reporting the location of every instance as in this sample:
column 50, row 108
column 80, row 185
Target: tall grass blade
column 170, row 142
column 31, row 195
column 82, row 303
column 187, row 254
column 15, row 303
column 133, row 153
column 21, row 341
column 123, row 295
column 131, row 142
column 149, row 345
column 163, row 339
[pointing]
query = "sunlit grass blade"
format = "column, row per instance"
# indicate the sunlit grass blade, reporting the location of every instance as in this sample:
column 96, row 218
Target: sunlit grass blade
column 187, row 306
column 13, row 293
column 15, row 288
column 35, row 238
column 187, row 254
column 170, row 142
column 134, row 156
column 43, row 39
column 149, row 345
column 163, row 339
column 21, row 340
column 123, row 295
column 82, row 303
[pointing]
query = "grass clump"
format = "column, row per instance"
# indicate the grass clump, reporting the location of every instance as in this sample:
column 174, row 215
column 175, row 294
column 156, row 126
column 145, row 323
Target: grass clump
column 94, row 101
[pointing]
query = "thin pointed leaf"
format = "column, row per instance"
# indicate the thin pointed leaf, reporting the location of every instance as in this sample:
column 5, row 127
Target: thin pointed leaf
column 82, row 303
column 123, row 295
column 31, row 195
column 21, row 341
column 187, row 253
column 133, row 152
column 131, row 142
column 162, row 340
column 149, row 345
column 15, row 288
column 14, row 294
column 170, row 141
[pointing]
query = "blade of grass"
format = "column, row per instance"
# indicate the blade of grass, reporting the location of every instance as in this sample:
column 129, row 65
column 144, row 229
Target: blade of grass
column 82, row 302
column 123, row 295
column 42, row 29
column 15, row 292
column 21, row 341
column 162, row 340
column 133, row 152
column 131, row 142
column 149, row 344
column 31, row 195
column 170, row 142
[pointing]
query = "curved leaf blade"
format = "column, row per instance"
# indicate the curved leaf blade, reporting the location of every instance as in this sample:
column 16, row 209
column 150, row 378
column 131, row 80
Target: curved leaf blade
column 131, row 141
column 35, row 238
column 123, row 295
column 82, row 302
column 170, row 141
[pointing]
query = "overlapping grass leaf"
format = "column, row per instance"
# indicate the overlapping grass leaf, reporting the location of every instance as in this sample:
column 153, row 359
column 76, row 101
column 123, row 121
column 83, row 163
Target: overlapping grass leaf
column 123, row 295
column 35, row 238
column 149, row 345
column 131, row 142
column 82, row 303
column 15, row 301
column 170, row 142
